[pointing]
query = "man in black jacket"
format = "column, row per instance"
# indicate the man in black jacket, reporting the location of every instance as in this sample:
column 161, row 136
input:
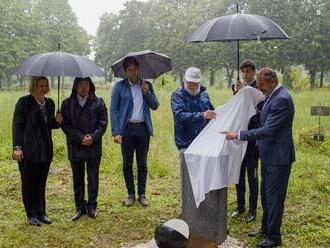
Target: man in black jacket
column 85, row 121
column 250, row 161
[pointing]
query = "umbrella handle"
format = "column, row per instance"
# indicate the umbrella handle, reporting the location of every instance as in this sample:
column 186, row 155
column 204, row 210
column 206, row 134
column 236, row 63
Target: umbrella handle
column 238, row 60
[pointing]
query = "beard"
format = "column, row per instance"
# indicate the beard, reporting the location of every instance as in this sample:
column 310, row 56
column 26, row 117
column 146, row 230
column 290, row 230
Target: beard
column 194, row 92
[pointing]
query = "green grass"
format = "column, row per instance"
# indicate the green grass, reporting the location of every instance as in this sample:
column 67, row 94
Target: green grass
column 306, row 220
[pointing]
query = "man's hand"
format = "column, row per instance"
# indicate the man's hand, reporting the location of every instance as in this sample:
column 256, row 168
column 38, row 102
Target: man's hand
column 209, row 115
column 239, row 85
column 118, row 139
column 230, row 135
column 59, row 118
column 145, row 87
column 87, row 140
column 18, row 155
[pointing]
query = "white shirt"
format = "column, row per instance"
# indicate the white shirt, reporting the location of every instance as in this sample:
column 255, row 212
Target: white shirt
column 137, row 115
column 82, row 100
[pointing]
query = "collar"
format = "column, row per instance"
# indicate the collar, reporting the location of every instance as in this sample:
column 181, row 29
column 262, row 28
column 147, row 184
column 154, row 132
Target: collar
column 82, row 98
column 130, row 83
column 276, row 88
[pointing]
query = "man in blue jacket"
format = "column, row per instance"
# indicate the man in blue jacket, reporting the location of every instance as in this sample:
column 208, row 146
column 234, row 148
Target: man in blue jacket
column 192, row 110
column 276, row 150
column 131, row 126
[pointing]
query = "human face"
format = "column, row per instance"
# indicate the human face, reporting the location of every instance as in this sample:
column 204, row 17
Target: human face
column 42, row 88
column 192, row 88
column 265, row 86
column 132, row 73
column 83, row 88
column 248, row 74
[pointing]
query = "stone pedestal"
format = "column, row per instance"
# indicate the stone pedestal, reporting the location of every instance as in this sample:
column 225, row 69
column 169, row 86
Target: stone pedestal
column 209, row 220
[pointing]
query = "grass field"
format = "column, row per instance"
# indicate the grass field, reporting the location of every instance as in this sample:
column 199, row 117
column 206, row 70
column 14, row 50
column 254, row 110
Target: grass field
column 307, row 213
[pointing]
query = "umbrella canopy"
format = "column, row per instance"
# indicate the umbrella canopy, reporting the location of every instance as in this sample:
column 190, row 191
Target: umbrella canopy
column 152, row 64
column 58, row 64
column 238, row 27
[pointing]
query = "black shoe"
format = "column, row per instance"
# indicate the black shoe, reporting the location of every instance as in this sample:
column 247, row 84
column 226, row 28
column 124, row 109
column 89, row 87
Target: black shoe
column 260, row 232
column 44, row 219
column 92, row 213
column 143, row 200
column 78, row 214
column 268, row 243
column 34, row 221
column 251, row 217
column 237, row 212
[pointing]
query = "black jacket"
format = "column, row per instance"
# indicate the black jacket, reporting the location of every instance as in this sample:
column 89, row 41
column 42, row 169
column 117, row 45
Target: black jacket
column 78, row 121
column 31, row 131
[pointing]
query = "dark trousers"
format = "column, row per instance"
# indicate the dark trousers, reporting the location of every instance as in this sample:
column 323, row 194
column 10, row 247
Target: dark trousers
column 78, row 173
column 34, row 178
column 135, row 139
column 249, row 165
column 274, row 185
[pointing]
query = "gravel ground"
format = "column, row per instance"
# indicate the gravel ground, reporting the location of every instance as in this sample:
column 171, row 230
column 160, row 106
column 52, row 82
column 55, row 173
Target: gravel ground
column 229, row 243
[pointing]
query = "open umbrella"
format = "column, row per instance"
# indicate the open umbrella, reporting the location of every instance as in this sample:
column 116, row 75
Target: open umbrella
column 238, row 27
column 152, row 64
column 57, row 64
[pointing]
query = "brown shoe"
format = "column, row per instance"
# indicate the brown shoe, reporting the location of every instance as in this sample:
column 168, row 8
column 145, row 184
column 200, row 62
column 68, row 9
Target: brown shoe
column 143, row 200
column 129, row 200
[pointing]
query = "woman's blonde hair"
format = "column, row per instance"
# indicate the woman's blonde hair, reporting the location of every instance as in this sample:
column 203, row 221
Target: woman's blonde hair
column 34, row 84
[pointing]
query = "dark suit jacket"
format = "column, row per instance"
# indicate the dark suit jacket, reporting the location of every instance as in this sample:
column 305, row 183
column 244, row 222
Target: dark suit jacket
column 274, row 135
column 31, row 132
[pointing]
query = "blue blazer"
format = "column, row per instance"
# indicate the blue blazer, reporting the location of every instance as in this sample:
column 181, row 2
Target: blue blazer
column 274, row 135
column 121, row 106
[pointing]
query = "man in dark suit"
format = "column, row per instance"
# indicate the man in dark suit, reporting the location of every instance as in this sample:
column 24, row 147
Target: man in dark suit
column 276, row 150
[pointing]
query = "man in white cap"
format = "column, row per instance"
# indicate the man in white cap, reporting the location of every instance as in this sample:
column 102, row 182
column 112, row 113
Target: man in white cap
column 192, row 110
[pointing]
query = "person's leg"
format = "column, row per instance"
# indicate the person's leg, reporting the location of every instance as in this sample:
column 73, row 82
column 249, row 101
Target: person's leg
column 41, row 187
column 276, row 186
column 93, row 166
column 25, row 169
column 142, row 147
column 252, row 172
column 264, row 198
column 127, row 149
column 240, row 188
column 78, row 173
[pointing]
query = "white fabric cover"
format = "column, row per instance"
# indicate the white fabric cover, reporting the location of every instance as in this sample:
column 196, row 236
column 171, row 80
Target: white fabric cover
column 214, row 162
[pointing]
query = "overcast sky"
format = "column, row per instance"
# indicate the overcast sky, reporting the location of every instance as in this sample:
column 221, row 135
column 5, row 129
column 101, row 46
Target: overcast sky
column 89, row 11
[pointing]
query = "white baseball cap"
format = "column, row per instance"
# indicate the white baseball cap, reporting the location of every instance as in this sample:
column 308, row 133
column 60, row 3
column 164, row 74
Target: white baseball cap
column 193, row 75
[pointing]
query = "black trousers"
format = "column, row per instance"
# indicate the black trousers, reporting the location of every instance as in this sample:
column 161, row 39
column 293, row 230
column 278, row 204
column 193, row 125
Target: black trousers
column 249, row 166
column 78, row 172
column 135, row 139
column 34, row 178
column 274, row 185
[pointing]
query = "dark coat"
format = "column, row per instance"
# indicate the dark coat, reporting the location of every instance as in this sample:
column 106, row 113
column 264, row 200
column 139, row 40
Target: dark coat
column 274, row 134
column 30, row 130
column 188, row 115
column 78, row 121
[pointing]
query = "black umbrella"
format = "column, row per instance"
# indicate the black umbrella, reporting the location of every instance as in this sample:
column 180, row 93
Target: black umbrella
column 152, row 64
column 57, row 64
column 238, row 27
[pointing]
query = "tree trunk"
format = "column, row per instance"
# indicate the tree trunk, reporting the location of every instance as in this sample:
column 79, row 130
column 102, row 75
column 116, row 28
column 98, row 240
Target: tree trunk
column 229, row 76
column 21, row 81
column 8, row 80
column 313, row 76
column 321, row 78
column 212, row 76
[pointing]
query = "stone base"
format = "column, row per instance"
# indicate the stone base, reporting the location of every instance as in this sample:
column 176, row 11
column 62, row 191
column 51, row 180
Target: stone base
column 209, row 220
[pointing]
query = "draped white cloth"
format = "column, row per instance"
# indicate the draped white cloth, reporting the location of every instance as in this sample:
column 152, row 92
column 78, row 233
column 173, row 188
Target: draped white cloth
column 214, row 162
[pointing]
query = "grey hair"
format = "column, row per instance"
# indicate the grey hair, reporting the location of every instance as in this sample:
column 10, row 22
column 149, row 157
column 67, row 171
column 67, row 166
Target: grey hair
column 268, row 74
